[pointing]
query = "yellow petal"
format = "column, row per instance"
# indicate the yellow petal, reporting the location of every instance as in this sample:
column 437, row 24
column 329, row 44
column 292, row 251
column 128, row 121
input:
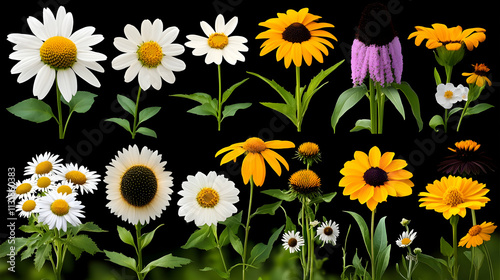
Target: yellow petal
column 362, row 159
column 365, row 193
column 279, row 144
column 232, row 155
column 231, row 147
column 247, row 167
column 374, row 156
column 296, row 54
column 386, row 159
column 396, row 164
column 271, row 160
column 372, row 204
column 259, row 173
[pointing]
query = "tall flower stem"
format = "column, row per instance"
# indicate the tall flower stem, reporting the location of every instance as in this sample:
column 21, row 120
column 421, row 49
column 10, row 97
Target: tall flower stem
column 308, row 252
column 59, row 112
column 138, row 249
column 380, row 108
column 219, row 111
column 298, row 98
column 136, row 113
column 373, row 107
column 372, row 249
column 60, row 250
column 454, row 225
column 214, row 228
column 247, row 229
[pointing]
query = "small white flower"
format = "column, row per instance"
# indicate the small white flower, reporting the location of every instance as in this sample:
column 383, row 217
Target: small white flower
column 57, row 210
column 44, row 183
column 81, row 177
column 65, row 186
column 149, row 54
column 207, row 199
column 23, row 189
column 463, row 92
column 447, row 95
column 292, row 241
column 218, row 44
column 406, row 238
column 43, row 164
column 26, row 206
column 328, row 232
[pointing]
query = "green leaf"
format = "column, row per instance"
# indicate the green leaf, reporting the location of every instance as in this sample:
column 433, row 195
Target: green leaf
column 32, row 110
column 267, row 209
column 205, row 109
column 126, row 236
column 323, row 198
column 437, row 77
column 88, row 227
column 383, row 261
column 79, row 243
column 432, row 262
column 19, row 243
column 219, row 272
column 481, row 107
column 393, row 95
column 363, row 228
column 200, row 97
column 346, row 101
column 286, row 95
column 362, row 124
column 41, row 255
column 289, row 225
column 279, row 194
column 436, row 121
column 230, row 110
column 147, row 113
column 235, row 242
column 167, row 261
column 126, row 103
column 230, row 90
column 121, row 122
column 81, row 102
column 121, row 259
column 413, row 100
column 146, row 238
column 146, row 131
column 203, row 239
column 260, row 252
column 454, row 110
column 380, row 236
column 478, row 259
column 285, row 109
column 445, row 248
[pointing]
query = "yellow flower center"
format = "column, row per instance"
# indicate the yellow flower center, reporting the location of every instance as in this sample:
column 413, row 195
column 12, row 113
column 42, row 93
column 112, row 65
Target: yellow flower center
column 308, row 149
column 150, row 54
column 139, row 185
column 59, row 207
column 254, row 145
column 218, row 41
column 453, row 197
column 207, row 197
column 406, row 241
column 43, row 182
column 23, row 188
column 64, row 189
column 43, row 167
column 305, row 181
column 29, row 205
column 58, row 52
column 296, row 33
column 76, row 177
column 448, row 94
column 475, row 230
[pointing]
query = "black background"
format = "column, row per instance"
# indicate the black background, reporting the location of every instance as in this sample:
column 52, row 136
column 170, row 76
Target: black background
column 189, row 142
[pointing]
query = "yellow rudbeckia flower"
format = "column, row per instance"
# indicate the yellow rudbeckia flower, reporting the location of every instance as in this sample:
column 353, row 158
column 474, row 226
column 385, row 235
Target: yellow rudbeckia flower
column 450, row 37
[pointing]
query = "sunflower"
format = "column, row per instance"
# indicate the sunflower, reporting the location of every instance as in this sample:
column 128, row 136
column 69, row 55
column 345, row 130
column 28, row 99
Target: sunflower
column 43, row 164
column 256, row 151
column 57, row 210
column 207, row 199
column 466, row 159
column 477, row 234
column 371, row 178
column 55, row 53
column 218, row 44
column 138, row 188
column 453, row 195
column 452, row 38
column 478, row 77
column 297, row 35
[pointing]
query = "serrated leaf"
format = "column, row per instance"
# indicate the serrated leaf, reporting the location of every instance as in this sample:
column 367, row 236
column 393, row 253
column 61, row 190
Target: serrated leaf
column 87, row 227
column 83, row 243
column 323, row 198
column 260, row 252
column 393, row 95
column 230, row 110
column 121, row 259
column 41, row 255
column 126, row 103
column 32, row 110
column 345, row 102
column 147, row 113
column 81, row 102
column 167, row 261
column 230, row 90
column 146, row 131
column 146, row 238
column 125, row 236
column 19, row 244
column 121, row 122
column 219, row 272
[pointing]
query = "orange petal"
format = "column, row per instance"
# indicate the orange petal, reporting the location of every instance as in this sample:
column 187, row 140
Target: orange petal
column 271, row 160
column 365, row 193
column 247, row 167
column 259, row 173
column 374, row 156
column 232, row 155
column 279, row 144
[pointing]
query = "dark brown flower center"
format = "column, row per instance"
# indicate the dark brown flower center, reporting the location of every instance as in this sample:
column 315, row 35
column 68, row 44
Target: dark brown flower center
column 296, row 33
column 292, row 242
column 375, row 176
column 138, row 185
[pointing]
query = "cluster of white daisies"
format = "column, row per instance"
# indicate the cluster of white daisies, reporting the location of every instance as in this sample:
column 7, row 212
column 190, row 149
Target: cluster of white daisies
column 51, row 191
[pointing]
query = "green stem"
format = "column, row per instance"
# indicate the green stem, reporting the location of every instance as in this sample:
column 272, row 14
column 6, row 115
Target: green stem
column 454, row 225
column 298, row 97
column 463, row 113
column 311, row 250
column 138, row 228
column 219, row 112
column 373, row 107
column 59, row 112
column 136, row 113
column 60, row 254
column 372, row 255
column 214, row 227
column 380, row 103
column 247, row 229
column 445, row 120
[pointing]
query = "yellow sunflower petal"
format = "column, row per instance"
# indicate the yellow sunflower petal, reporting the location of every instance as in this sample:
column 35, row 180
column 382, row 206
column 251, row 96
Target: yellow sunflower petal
column 270, row 157
column 374, row 156
column 296, row 53
column 396, row 164
column 228, row 148
column 247, row 167
column 385, row 160
column 372, row 204
column 318, row 25
column 274, row 23
column 306, row 55
column 283, row 50
column 401, row 174
column 232, row 155
column 259, row 173
column 313, row 51
column 365, row 193
column 346, row 180
column 353, row 187
column 301, row 15
column 270, row 46
column 323, row 33
column 380, row 194
column 279, row 144
column 310, row 18
column 362, row 159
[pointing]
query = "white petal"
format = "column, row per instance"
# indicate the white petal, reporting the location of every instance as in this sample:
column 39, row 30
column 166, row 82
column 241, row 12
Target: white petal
column 220, row 24
column 144, row 79
column 25, row 41
column 132, row 71
column 79, row 36
column 214, row 55
column 168, row 36
column 65, row 24
column 92, row 65
column 124, row 45
column 201, row 50
column 85, row 74
column 173, row 49
column 230, row 26
column 133, row 34
column 43, row 81
column 37, row 28
column 166, row 74
column 25, row 54
column 67, row 83
column 146, row 30
column 24, row 64
column 90, row 56
column 207, row 29
column 157, row 29
column 155, row 77
column 88, row 42
column 30, row 72
column 49, row 22
column 123, row 61
column 173, row 63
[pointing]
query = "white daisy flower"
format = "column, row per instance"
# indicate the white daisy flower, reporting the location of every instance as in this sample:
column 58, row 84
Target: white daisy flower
column 328, row 232
column 57, row 210
column 81, row 177
column 66, row 187
column 43, row 164
column 218, row 43
column 149, row 54
column 447, row 95
column 406, row 238
column 26, row 206
column 44, row 183
column 207, row 199
column 56, row 52
column 463, row 92
column 292, row 241
column 138, row 188
column 23, row 189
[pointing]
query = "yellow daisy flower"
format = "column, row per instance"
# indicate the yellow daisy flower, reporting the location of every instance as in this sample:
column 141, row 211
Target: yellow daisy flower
column 477, row 234
column 296, row 35
column 452, row 195
column 478, row 77
column 371, row 178
column 256, row 151
column 452, row 38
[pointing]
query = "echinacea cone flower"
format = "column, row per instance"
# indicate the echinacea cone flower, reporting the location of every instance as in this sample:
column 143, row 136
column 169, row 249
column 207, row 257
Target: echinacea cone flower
column 478, row 77
column 466, row 159
column 379, row 56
